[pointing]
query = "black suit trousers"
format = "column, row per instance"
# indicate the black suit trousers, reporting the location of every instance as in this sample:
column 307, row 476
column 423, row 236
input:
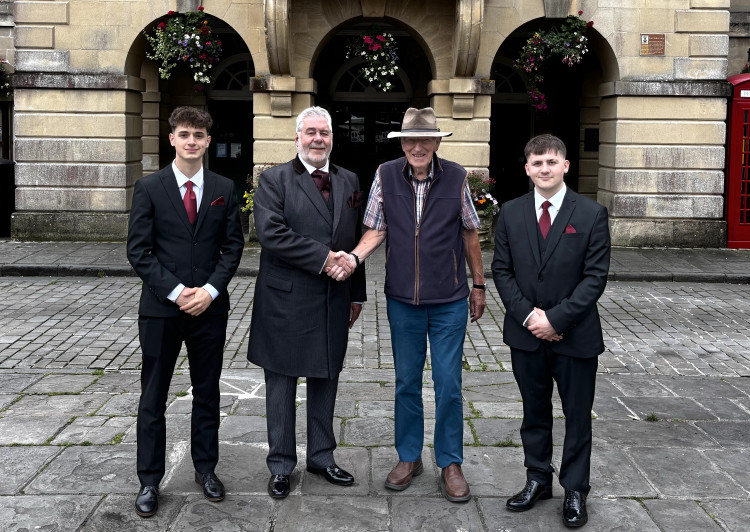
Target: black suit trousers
column 281, row 391
column 535, row 372
column 161, row 340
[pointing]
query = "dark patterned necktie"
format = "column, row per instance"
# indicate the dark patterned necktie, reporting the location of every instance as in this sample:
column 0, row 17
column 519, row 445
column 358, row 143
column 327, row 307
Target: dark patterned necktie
column 191, row 205
column 544, row 219
column 322, row 182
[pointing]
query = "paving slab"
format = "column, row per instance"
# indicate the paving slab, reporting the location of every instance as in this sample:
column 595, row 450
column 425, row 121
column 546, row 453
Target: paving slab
column 728, row 433
column 668, row 408
column 734, row 463
column 19, row 464
column 61, row 384
column 656, row 433
column 233, row 514
column 96, row 430
column 420, row 513
column 686, row 516
column 89, row 470
column 731, row 514
column 31, row 430
column 116, row 513
column 346, row 514
column 666, row 470
column 45, row 405
column 53, row 513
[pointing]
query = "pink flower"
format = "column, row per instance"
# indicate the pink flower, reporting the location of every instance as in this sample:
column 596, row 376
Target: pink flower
column 170, row 12
column 590, row 23
column 200, row 8
column 580, row 13
column 380, row 38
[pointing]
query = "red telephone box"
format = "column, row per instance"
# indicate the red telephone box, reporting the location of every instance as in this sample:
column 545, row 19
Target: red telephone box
column 737, row 191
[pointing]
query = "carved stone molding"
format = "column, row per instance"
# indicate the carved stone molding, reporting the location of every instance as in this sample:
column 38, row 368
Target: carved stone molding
column 373, row 8
column 557, row 8
column 277, row 36
column 467, row 35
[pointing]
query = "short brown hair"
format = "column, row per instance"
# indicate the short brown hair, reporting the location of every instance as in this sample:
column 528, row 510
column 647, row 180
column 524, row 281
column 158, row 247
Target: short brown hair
column 191, row 117
column 542, row 144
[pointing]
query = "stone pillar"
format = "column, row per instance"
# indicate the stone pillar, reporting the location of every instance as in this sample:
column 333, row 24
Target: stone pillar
column 661, row 163
column 151, row 125
column 78, row 152
column 277, row 100
column 462, row 105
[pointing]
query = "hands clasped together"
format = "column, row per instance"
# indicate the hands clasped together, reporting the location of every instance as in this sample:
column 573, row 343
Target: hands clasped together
column 539, row 326
column 194, row 301
column 340, row 265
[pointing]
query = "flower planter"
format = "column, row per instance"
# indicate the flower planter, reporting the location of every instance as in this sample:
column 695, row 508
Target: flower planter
column 486, row 231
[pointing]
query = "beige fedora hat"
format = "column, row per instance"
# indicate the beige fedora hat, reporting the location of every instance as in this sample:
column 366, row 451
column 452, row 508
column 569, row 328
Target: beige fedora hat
column 419, row 123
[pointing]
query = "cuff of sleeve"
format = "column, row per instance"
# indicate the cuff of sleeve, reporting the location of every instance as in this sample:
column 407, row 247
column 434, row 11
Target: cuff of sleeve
column 174, row 294
column 211, row 290
column 532, row 313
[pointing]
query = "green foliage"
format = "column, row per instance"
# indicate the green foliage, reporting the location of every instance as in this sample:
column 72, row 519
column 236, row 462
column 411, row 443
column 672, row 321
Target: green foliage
column 484, row 202
column 568, row 41
column 185, row 37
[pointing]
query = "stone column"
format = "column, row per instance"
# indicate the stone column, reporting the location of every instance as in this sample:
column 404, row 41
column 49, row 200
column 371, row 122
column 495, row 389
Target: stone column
column 661, row 161
column 78, row 153
column 462, row 105
column 277, row 100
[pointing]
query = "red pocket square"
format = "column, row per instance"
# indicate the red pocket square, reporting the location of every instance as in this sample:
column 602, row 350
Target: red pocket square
column 218, row 201
column 569, row 229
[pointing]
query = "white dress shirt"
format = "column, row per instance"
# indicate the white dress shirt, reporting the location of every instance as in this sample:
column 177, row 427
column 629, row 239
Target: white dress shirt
column 553, row 209
column 197, row 180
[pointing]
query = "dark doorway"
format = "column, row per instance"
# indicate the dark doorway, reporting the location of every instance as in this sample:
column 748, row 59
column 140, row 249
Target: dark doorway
column 231, row 150
column 514, row 121
column 363, row 116
column 7, row 170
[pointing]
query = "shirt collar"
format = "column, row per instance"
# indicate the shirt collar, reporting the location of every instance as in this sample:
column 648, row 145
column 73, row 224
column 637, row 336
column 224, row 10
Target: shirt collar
column 310, row 168
column 555, row 200
column 197, row 179
column 429, row 174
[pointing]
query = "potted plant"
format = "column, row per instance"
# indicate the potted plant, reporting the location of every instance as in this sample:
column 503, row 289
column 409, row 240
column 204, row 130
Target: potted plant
column 485, row 204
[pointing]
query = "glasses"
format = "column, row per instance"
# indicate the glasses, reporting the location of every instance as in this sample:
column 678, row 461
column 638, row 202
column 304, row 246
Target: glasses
column 413, row 141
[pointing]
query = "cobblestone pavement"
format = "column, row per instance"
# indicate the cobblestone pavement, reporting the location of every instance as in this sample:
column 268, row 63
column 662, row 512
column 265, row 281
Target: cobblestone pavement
column 677, row 353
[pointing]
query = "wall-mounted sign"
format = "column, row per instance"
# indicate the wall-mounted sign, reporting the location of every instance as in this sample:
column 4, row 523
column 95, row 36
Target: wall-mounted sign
column 744, row 93
column 221, row 149
column 653, row 43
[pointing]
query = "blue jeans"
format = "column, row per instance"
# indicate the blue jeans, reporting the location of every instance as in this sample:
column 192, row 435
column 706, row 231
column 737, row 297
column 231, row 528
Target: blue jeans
column 445, row 325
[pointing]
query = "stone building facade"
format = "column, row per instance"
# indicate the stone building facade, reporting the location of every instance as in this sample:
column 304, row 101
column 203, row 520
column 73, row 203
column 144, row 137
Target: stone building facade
column 646, row 127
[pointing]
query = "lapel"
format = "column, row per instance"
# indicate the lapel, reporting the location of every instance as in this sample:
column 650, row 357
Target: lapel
column 532, row 225
column 338, row 192
column 209, row 184
column 559, row 225
column 169, row 182
column 307, row 185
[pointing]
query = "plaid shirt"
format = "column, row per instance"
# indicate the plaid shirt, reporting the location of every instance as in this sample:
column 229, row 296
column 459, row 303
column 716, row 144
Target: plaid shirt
column 374, row 211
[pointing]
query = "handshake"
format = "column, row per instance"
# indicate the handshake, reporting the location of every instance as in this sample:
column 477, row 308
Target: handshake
column 340, row 265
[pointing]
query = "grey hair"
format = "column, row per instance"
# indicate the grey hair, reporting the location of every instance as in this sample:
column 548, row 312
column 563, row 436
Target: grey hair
column 313, row 111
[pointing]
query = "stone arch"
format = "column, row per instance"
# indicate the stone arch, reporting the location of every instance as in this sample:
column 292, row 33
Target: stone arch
column 314, row 26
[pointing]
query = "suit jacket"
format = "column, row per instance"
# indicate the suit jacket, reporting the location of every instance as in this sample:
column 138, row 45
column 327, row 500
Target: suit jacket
column 166, row 250
column 566, row 282
column 300, row 321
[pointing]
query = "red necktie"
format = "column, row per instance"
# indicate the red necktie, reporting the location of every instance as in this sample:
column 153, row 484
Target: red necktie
column 544, row 219
column 191, row 205
column 322, row 182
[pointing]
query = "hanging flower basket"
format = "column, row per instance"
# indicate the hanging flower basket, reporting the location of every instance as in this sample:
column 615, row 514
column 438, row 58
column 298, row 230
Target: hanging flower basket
column 567, row 42
column 185, row 37
column 379, row 52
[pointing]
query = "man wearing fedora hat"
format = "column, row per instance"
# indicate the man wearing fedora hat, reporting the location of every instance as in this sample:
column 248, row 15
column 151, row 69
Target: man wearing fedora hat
column 431, row 229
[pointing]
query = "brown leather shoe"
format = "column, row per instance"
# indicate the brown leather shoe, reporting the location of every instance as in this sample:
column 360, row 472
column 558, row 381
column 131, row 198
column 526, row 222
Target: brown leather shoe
column 454, row 485
column 400, row 476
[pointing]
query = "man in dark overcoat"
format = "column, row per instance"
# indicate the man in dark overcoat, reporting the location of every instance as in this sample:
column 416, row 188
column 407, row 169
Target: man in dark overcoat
column 304, row 210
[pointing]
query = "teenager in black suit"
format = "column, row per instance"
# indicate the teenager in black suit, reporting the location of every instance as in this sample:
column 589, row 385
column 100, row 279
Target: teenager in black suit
column 185, row 242
column 552, row 249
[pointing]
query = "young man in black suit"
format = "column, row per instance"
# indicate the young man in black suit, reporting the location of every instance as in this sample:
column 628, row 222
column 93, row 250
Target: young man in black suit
column 552, row 249
column 185, row 242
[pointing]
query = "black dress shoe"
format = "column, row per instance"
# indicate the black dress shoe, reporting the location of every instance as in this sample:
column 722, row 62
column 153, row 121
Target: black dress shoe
column 213, row 489
column 147, row 501
column 278, row 486
column 334, row 474
column 574, row 509
column 527, row 497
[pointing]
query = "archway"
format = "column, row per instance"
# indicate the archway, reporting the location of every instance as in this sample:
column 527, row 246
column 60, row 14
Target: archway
column 362, row 116
column 228, row 99
column 572, row 114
